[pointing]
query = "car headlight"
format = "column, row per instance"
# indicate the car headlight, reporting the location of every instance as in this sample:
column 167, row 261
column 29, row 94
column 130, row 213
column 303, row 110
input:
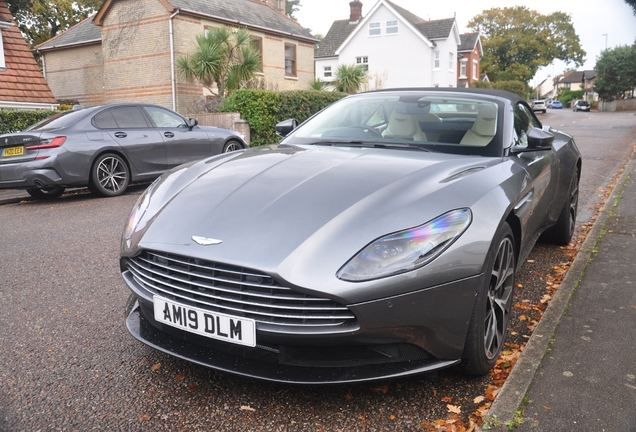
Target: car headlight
column 406, row 250
column 138, row 211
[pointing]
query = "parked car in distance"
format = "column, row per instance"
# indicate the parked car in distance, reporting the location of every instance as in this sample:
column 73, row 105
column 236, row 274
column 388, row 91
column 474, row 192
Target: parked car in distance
column 556, row 104
column 581, row 105
column 378, row 239
column 539, row 105
column 548, row 103
column 105, row 148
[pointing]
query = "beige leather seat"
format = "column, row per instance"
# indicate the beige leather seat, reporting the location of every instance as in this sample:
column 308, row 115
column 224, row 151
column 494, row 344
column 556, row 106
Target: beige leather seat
column 484, row 128
column 404, row 125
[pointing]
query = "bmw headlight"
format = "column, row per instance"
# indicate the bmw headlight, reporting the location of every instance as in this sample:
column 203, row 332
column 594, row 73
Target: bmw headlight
column 406, row 250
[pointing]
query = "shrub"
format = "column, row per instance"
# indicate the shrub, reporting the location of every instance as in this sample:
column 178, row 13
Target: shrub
column 264, row 109
column 17, row 120
column 518, row 87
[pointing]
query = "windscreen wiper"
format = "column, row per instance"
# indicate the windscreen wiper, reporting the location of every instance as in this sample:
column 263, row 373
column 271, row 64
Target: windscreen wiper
column 370, row 144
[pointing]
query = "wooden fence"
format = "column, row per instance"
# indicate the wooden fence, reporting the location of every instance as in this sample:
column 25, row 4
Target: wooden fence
column 618, row 105
column 230, row 120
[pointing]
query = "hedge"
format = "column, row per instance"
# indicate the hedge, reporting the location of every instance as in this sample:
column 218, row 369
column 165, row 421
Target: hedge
column 263, row 109
column 17, row 120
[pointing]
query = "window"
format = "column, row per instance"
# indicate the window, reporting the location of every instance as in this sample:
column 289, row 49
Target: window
column 375, row 29
column 257, row 45
column 524, row 121
column 451, row 61
column 392, row 27
column 3, row 64
column 164, row 118
column 475, row 76
column 124, row 117
column 364, row 61
column 436, row 57
column 290, row 60
column 462, row 69
column 326, row 71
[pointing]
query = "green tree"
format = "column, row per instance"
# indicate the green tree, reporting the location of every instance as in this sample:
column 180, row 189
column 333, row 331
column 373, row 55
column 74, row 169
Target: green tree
column 349, row 78
column 318, row 84
column 224, row 57
column 291, row 7
column 518, row 41
column 40, row 20
column 616, row 72
column 632, row 3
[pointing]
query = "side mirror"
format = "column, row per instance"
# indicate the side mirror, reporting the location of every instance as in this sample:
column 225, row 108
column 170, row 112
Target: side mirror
column 285, row 127
column 192, row 122
column 538, row 139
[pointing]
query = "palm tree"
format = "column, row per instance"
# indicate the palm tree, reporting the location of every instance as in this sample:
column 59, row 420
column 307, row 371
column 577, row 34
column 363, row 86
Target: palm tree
column 319, row 85
column 349, row 78
column 224, row 57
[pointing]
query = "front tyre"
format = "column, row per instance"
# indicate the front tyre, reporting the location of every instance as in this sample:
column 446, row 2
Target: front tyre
column 232, row 145
column 109, row 176
column 562, row 232
column 489, row 322
column 48, row 193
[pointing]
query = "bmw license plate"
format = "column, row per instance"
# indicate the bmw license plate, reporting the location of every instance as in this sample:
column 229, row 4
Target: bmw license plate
column 13, row 151
column 236, row 330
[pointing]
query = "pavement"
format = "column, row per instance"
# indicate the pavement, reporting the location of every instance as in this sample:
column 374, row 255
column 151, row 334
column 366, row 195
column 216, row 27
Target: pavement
column 578, row 370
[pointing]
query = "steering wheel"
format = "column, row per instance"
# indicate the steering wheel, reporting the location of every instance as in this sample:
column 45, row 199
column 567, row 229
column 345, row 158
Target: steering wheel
column 370, row 132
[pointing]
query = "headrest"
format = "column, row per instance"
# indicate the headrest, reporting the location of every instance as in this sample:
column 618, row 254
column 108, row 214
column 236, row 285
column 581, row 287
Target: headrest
column 486, row 121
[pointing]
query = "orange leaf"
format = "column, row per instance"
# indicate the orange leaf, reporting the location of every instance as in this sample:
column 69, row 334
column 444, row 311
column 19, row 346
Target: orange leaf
column 547, row 408
column 447, row 399
column 478, row 399
column 180, row 377
column 381, row 389
column 144, row 418
column 193, row 386
column 454, row 409
column 155, row 367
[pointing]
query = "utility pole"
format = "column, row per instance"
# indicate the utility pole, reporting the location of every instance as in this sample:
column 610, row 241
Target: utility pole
column 605, row 34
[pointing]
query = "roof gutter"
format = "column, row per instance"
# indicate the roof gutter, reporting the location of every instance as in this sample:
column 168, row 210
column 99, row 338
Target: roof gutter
column 172, row 72
column 240, row 23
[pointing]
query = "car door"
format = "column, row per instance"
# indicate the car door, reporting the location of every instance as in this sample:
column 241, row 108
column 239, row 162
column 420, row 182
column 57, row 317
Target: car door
column 141, row 143
column 183, row 144
column 542, row 169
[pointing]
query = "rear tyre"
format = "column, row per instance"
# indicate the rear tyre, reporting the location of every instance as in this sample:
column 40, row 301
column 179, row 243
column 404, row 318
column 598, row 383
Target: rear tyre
column 46, row 193
column 489, row 322
column 562, row 232
column 232, row 145
column 109, row 175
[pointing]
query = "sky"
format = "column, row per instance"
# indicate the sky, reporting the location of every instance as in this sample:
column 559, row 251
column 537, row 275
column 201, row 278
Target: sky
column 592, row 20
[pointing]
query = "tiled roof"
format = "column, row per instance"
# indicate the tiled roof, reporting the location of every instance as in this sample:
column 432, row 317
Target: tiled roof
column 22, row 81
column 574, row 77
column 82, row 33
column 589, row 74
column 245, row 12
column 340, row 30
column 468, row 41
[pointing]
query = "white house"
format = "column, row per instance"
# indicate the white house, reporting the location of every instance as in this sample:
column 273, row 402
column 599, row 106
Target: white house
column 398, row 48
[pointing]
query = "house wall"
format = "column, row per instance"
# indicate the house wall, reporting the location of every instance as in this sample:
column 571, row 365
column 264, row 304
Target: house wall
column 76, row 73
column 136, row 50
column 321, row 63
column 446, row 75
column 400, row 60
column 471, row 58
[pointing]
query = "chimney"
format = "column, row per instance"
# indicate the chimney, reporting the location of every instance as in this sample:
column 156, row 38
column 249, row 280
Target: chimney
column 356, row 11
column 280, row 5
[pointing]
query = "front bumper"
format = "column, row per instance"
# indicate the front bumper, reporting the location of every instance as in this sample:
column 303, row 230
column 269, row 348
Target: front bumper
column 414, row 333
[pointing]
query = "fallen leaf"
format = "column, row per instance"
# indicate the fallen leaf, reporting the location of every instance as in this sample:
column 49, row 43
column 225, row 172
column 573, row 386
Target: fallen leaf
column 348, row 396
column 193, row 386
column 530, row 261
column 547, row 408
column 479, row 399
column 454, row 409
column 180, row 377
column 633, row 306
column 247, row 408
column 381, row 389
column 144, row 418
column 447, row 399
column 391, row 417
column 155, row 367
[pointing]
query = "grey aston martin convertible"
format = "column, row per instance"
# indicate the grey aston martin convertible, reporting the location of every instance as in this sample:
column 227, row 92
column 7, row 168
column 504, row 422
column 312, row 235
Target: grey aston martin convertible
column 378, row 239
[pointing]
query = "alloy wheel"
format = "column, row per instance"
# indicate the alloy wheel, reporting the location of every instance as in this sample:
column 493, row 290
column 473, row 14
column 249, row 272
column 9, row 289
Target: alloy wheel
column 112, row 175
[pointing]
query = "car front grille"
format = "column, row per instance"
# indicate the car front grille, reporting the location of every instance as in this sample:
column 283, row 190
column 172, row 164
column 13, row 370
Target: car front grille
column 236, row 291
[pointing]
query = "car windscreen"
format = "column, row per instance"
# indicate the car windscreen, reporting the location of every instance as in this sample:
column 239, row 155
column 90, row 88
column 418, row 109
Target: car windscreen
column 449, row 123
column 56, row 121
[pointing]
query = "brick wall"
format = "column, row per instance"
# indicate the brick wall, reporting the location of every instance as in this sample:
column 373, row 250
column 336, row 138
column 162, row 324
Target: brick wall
column 76, row 73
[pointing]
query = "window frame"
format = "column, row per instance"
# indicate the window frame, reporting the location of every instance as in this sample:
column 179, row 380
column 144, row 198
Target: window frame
column 327, row 70
column 372, row 27
column 391, row 29
column 293, row 60
column 364, row 61
column 463, row 68
column 451, row 61
column 437, row 60
column 475, row 71
column 257, row 43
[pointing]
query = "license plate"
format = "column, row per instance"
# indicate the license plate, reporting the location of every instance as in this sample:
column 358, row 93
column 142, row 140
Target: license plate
column 236, row 330
column 13, row 151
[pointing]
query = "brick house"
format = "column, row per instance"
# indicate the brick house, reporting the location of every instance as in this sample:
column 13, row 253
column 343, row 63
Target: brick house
column 22, row 85
column 127, row 50
column 469, row 54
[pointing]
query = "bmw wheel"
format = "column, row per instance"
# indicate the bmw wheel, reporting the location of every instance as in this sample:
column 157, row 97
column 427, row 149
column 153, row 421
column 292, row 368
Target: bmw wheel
column 109, row 176
column 489, row 323
column 46, row 193
column 232, row 145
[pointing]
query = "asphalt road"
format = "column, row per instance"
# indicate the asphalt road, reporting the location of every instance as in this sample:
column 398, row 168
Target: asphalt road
column 68, row 363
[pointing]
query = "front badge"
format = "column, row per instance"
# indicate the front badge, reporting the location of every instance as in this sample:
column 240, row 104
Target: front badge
column 204, row 241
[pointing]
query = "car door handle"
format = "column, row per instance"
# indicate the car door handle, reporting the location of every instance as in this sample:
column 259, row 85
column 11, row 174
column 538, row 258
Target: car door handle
column 121, row 134
column 168, row 134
